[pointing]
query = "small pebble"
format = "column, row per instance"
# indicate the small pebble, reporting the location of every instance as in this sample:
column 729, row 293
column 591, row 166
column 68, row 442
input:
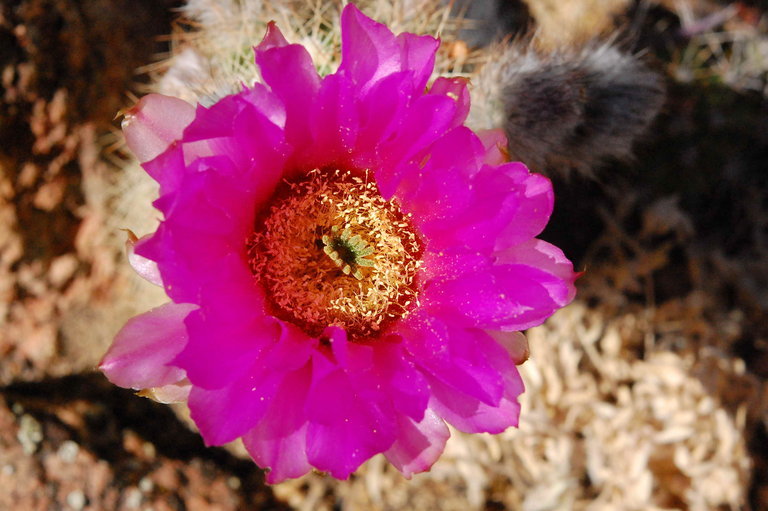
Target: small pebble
column 76, row 500
column 149, row 450
column 30, row 433
column 146, row 485
column 133, row 498
column 234, row 483
column 68, row 451
column 61, row 269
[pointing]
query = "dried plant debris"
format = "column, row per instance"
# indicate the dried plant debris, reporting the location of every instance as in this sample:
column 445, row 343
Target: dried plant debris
column 573, row 23
column 63, row 69
column 724, row 43
column 76, row 443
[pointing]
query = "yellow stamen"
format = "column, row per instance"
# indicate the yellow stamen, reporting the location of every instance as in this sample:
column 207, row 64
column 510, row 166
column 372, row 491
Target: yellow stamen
column 331, row 251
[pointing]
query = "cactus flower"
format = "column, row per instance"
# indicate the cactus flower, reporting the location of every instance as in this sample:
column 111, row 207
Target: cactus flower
column 349, row 266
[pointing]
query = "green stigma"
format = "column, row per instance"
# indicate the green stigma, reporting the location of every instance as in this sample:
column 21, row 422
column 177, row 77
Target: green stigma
column 347, row 252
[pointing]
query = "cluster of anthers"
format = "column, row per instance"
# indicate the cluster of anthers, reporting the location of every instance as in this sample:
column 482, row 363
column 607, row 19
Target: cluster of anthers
column 332, row 251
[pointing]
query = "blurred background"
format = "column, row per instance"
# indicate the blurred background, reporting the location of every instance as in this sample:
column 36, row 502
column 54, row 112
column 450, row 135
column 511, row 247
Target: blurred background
column 649, row 392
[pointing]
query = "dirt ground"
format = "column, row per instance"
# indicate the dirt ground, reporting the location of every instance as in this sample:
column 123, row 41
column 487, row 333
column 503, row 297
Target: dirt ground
column 675, row 239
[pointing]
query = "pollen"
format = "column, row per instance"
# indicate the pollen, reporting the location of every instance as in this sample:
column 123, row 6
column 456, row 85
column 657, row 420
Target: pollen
column 330, row 250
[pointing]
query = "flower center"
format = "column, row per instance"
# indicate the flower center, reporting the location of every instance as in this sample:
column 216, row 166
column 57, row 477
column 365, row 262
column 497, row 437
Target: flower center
column 332, row 251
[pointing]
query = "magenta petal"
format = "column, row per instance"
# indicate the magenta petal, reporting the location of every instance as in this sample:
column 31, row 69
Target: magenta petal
column 225, row 414
column 246, row 128
column 408, row 389
column 337, row 336
column 369, row 50
column 418, row 55
column 495, row 143
column 154, row 123
column 471, row 416
column 335, row 122
column 273, row 38
column 346, row 428
column 441, row 192
column 202, row 240
column 289, row 72
column 456, row 89
column 142, row 353
column 236, row 346
column 534, row 199
column 168, row 168
column 547, row 258
column 278, row 442
column 427, row 120
column 461, row 358
column 283, row 453
column 493, row 296
column 480, row 214
column 382, row 111
column 418, row 444
column 503, row 297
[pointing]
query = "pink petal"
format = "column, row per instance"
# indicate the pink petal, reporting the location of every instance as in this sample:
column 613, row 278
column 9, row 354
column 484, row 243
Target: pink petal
column 247, row 128
column 154, row 123
column 439, row 189
column 407, row 388
column 455, row 356
column 279, row 442
column 236, row 345
column 515, row 343
column 495, row 143
column 290, row 73
column 335, row 122
column 168, row 168
column 349, row 422
column 418, row 444
column 548, row 258
column 504, row 297
column 472, row 416
column 418, row 55
column 534, row 199
column 456, row 89
column 449, row 263
column 228, row 412
column 464, row 411
column 425, row 122
column 167, row 394
column 493, row 207
column 339, row 341
column 203, row 236
column 382, row 110
column 146, row 268
column 142, row 353
column 369, row 50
